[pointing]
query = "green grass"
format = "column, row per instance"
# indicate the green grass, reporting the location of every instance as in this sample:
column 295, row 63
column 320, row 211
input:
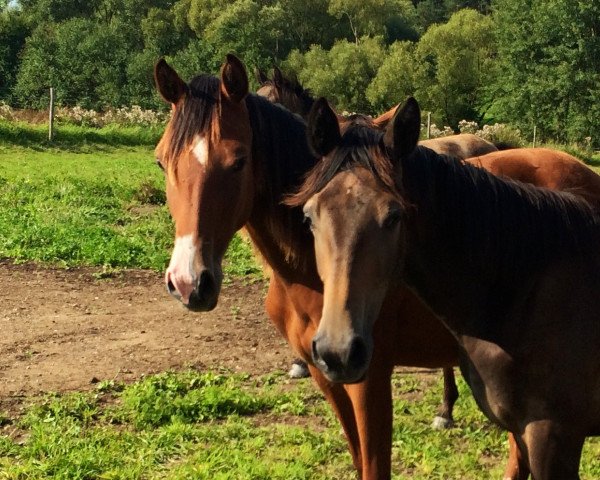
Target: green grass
column 218, row 426
column 96, row 204
column 76, row 138
column 594, row 161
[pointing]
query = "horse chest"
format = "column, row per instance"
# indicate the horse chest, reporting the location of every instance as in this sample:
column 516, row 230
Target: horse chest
column 295, row 310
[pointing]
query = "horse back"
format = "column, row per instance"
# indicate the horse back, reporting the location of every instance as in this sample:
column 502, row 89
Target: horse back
column 546, row 168
column 461, row 146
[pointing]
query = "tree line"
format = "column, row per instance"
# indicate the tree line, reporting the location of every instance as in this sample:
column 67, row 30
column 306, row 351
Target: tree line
column 523, row 62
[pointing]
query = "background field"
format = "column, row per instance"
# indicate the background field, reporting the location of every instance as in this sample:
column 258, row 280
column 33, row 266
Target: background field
column 100, row 203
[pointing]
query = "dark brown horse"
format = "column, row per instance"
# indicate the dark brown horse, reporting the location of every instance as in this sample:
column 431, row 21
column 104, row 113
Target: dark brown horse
column 513, row 271
column 288, row 92
column 230, row 158
column 292, row 95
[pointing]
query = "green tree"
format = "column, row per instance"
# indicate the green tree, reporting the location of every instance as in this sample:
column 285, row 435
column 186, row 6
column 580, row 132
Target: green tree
column 455, row 63
column 341, row 74
column 550, row 67
column 198, row 57
column 429, row 12
column 41, row 11
column 375, row 17
column 309, row 23
column 202, row 13
column 86, row 64
column 162, row 33
column 249, row 29
column 395, row 79
column 13, row 33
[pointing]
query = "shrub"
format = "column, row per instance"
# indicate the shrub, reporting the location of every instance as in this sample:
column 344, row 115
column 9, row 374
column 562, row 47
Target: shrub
column 466, row 126
column 125, row 116
column 501, row 134
column 6, row 113
column 435, row 132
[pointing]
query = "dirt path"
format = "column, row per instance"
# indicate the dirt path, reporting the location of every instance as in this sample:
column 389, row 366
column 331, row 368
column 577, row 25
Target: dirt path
column 65, row 330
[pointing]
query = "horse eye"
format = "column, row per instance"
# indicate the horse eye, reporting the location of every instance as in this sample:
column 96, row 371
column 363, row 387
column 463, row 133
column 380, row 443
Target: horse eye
column 238, row 164
column 392, row 219
column 160, row 165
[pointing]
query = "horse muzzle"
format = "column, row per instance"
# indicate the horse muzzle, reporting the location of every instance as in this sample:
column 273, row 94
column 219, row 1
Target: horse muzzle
column 345, row 365
column 199, row 296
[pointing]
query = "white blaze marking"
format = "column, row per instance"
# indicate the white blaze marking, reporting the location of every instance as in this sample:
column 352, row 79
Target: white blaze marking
column 182, row 259
column 201, row 150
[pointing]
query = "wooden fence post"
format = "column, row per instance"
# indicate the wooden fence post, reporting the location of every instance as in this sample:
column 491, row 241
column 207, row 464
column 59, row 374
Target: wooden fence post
column 534, row 135
column 428, row 125
column 51, row 116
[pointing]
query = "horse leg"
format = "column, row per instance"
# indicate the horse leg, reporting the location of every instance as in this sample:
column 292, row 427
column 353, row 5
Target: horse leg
column 338, row 398
column 553, row 452
column 280, row 310
column 444, row 417
column 516, row 467
column 372, row 401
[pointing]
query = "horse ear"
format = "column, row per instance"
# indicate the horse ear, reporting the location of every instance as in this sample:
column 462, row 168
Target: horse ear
column 323, row 129
column 169, row 85
column 277, row 76
column 402, row 133
column 381, row 122
column 234, row 79
column 260, row 76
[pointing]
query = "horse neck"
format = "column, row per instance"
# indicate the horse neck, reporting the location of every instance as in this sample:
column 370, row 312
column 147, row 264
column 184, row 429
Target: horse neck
column 282, row 159
column 463, row 259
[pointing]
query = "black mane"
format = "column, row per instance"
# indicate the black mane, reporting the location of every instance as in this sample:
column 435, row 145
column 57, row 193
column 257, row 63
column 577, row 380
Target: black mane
column 282, row 160
column 194, row 115
column 279, row 137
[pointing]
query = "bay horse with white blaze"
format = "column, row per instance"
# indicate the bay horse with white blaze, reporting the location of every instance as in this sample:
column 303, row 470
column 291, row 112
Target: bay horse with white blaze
column 513, row 271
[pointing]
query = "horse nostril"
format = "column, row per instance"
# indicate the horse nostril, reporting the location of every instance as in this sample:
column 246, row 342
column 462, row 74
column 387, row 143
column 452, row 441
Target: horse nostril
column 357, row 356
column 171, row 288
column 315, row 354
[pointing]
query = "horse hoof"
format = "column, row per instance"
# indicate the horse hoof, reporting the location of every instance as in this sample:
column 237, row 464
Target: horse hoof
column 441, row 423
column 298, row 370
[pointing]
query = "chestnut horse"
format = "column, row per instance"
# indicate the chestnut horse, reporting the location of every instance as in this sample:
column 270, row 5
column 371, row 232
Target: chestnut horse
column 544, row 167
column 513, row 271
column 230, row 158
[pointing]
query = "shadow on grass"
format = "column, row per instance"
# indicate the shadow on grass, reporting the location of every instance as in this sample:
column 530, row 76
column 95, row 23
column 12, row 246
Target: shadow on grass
column 75, row 138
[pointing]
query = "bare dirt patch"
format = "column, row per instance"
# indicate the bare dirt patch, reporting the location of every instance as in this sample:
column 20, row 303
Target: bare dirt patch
column 63, row 330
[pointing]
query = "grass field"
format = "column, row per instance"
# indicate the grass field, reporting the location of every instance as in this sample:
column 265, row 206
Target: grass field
column 100, row 201
column 194, row 425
